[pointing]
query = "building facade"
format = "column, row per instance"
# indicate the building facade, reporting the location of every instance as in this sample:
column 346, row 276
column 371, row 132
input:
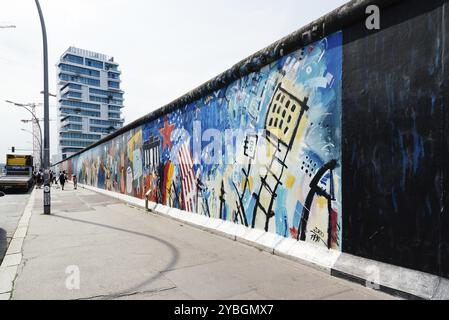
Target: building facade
column 90, row 99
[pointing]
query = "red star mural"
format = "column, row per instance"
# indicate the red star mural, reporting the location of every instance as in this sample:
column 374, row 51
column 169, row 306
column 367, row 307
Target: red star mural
column 166, row 133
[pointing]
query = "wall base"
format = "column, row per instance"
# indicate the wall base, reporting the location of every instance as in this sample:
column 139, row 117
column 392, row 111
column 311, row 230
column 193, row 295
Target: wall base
column 398, row 281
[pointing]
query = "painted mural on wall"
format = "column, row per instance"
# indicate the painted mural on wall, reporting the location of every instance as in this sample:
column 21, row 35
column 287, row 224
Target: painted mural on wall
column 263, row 152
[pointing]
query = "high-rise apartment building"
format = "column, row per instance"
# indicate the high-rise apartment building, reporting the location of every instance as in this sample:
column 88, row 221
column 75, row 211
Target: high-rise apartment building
column 90, row 99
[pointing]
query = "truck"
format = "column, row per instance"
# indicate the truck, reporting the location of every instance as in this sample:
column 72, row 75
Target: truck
column 18, row 173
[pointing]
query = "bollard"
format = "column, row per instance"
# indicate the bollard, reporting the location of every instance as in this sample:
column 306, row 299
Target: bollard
column 146, row 200
column 47, row 197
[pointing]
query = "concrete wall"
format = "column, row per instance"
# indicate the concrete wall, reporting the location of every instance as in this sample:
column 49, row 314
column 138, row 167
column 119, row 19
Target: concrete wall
column 336, row 137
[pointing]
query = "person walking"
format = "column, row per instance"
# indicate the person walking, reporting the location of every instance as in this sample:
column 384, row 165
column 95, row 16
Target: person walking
column 51, row 177
column 35, row 178
column 62, row 179
column 40, row 179
column 75, row 181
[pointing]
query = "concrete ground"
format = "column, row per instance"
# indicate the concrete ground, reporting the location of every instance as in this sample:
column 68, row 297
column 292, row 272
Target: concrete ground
column 11, row 209
column 120, row 252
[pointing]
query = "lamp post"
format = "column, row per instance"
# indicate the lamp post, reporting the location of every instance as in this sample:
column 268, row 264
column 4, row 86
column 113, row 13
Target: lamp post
column 38, row 139
column 30, row 107
column 47, row 199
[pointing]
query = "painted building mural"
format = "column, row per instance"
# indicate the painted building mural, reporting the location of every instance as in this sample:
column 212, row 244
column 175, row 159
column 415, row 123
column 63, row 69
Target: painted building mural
column 263, row 151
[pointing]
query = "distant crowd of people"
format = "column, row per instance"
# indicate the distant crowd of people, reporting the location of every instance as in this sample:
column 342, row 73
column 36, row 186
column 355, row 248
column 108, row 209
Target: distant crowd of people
column 54, row 179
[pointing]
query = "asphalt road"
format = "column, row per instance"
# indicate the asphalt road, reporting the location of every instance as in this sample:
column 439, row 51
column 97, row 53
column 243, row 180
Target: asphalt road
column 11, row 209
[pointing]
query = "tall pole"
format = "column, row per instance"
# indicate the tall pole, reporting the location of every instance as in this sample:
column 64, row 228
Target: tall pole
column 39, row 143
column 31, row 108
column 36, row 121
column 46, row 115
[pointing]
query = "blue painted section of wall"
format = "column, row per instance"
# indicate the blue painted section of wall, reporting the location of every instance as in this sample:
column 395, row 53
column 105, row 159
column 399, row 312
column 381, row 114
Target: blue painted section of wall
column 247, row 153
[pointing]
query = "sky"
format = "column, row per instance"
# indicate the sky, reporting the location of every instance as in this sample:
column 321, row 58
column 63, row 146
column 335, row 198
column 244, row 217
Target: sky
column 164, row 48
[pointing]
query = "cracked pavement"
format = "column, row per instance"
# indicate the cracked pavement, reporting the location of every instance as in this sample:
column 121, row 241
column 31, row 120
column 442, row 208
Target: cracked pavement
column 122, row 252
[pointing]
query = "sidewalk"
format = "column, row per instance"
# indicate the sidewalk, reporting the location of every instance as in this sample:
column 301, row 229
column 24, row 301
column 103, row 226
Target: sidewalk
column 122, row 252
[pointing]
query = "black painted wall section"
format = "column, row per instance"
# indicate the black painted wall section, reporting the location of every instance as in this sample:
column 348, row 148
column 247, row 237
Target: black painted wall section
column 394, row 143
column 444, row 229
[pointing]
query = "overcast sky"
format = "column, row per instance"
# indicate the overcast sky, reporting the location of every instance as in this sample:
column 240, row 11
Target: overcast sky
column 164, row 48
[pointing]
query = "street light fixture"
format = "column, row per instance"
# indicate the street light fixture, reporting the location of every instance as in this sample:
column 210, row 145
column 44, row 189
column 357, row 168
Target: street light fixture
column 38, row 139
column 27, row 107
column 50, row 94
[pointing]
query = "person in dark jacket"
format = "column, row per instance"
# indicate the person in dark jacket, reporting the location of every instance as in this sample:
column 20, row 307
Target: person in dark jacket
column 40, row 179
column 51, row 177
column 62, row 179
column 75, row 181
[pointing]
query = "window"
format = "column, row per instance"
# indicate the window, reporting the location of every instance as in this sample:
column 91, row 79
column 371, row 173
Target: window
column 116, row 95
column 76, row 135
column 74, row 119
column 80, row 104
column 71, row 86
column 109, row 123
column 113, row 84
column 101, row 122
column 98, row 99
column 72, row 143
column 113, row 75
column 64, row 150
column 72, row 58
column 113, row 115
column 110, row 66
column 72, row 94
column 114, row 108
column 117, row 102
column 93, row 63
column 72, row 126
column 79, row 112
column 89, row 81
column 75, row 86
column 100, row 129
column 80, row 70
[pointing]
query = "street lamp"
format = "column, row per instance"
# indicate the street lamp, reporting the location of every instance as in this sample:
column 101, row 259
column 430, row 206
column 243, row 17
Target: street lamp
column 27, row 107
column 47, row 201
column 38, row 139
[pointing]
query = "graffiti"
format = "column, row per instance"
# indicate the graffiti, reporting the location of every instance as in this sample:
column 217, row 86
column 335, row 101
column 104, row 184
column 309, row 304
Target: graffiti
column 263, row 152
column 317, row 235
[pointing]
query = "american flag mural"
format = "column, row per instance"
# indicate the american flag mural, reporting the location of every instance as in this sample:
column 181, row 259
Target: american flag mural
column 188, row 181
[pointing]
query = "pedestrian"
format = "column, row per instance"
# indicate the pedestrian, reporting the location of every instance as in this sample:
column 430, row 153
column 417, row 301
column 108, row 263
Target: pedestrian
column 40, row 179
column 35, row 177
column 75, row 181
column 62, row 178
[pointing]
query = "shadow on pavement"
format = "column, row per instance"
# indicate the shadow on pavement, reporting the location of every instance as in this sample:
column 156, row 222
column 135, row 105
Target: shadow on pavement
column 171, row 248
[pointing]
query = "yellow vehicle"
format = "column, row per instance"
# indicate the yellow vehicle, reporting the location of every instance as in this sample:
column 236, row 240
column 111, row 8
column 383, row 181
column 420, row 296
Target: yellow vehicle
column 19, row 173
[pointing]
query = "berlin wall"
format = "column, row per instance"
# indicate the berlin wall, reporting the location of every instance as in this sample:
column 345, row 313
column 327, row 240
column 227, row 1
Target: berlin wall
column 336, row 135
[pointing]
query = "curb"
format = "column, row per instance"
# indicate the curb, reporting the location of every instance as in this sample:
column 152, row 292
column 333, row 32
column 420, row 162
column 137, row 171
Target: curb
column 13, row 256
column 394, row 280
